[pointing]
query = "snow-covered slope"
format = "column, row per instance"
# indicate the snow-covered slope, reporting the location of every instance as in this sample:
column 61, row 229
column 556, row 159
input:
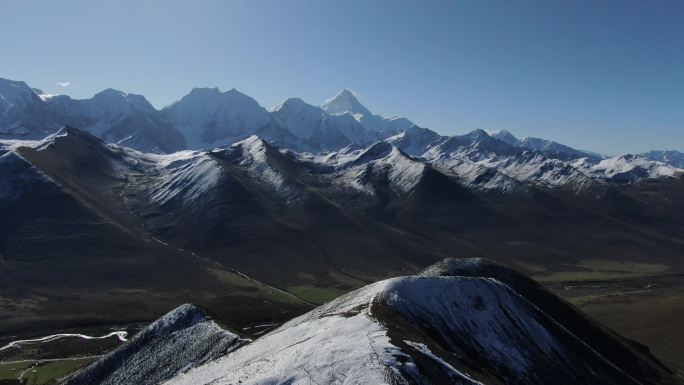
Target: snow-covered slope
column 415, row 140
column 421, row 330
column 185, row 176
column 116, row 117
column 533, row 167
column 209, row 118
column 323, row 132
column 381, row 162
column 345, row 102
column 485, row 162
column 102, row 111
column 628, row 169
column 341, row 127
column 265, row 165
column 180, row 340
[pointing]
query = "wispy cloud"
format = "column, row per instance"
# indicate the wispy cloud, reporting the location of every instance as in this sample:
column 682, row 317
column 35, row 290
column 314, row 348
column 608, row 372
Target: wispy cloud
column 63, row 84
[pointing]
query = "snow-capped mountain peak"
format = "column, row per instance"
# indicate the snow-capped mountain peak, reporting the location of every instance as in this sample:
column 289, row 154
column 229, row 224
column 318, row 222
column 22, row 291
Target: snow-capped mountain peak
column 344, row 102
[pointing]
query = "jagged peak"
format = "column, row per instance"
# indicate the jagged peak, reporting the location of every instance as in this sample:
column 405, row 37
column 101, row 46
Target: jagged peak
column 345, row 101
column 182, row 316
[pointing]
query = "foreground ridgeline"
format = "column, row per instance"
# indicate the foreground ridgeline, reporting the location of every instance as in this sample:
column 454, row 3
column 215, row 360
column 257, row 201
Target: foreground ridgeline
column 459, row 322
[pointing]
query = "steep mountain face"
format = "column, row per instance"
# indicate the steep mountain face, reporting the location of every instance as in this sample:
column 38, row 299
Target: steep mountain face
column 112, row 115
column 627, row 355
column 460, row 322
column 347, row 213
column 23, row 114
column 321, row 131
column 70, row 245
column 208, row 118
column 346, row 102
column 117, row 117
column 179, row 341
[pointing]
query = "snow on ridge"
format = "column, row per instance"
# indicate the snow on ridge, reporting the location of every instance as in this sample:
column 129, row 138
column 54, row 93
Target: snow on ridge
column 349, row 341
column 641, row 167
column 403, row 172
column 485, row 327
column 326, row 344
column 188, row 175
column 180, row 340
column 255, row 159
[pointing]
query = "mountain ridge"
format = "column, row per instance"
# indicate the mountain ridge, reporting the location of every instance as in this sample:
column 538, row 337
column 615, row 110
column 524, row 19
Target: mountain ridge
column 460, row 321
column 206, row 118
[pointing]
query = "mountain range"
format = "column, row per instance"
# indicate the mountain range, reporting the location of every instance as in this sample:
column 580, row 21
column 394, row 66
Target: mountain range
column 276, row 230
column 259, row 216
column 207, row 118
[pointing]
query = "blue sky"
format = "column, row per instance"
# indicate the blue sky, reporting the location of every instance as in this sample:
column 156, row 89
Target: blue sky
column 596, row 74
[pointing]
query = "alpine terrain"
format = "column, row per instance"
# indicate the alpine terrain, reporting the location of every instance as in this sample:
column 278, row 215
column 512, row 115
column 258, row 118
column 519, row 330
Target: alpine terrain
column 303, row 230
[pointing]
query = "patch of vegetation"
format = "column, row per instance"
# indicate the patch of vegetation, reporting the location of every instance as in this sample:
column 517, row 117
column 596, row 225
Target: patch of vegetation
column 317, row 295
column 624, row 267
column 601, row 270
column 44, row 373
column 247, row 288
column 12, row 370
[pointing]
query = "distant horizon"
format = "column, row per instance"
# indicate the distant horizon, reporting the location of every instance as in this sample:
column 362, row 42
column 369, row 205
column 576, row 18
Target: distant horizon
column 222, row 90
column 604, row 76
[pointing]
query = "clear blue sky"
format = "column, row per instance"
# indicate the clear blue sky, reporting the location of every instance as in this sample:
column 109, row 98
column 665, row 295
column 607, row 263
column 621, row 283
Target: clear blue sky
column 601, row 75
